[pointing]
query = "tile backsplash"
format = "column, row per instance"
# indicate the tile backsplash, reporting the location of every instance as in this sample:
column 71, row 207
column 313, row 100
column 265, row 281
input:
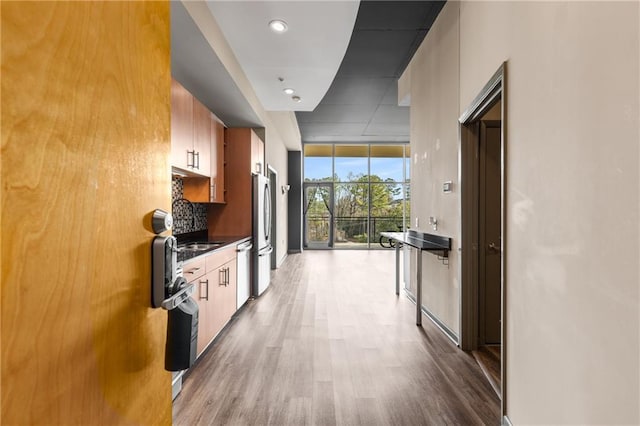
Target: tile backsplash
column 183, row 221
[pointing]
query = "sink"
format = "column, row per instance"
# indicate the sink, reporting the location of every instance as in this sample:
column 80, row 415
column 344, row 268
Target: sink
column 200, row 246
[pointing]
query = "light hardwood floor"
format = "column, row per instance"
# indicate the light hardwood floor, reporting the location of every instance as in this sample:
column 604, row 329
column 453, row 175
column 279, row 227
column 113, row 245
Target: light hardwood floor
column 330, row 343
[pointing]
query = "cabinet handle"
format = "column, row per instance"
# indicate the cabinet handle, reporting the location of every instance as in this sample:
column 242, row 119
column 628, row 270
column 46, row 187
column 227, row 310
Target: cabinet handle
column 193, row 158
column 197, row 155
column 221, row 276
column 193, row 271
column 226, row 275
column 206, row 282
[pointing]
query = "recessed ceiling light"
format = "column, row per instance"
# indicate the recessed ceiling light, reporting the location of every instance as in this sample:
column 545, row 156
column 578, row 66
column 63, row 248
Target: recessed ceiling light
column 288, row 91
column 278, row 25
column 296, row 99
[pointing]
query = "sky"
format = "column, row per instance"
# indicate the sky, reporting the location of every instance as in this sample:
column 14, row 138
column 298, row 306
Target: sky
column 320, row 167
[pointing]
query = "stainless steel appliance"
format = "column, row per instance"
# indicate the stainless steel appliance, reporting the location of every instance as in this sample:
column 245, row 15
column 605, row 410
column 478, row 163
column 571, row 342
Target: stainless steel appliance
column 243, row 266
column 261, row 234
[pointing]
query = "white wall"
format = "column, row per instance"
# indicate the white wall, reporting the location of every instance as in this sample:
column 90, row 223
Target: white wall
column 573, row 191
column 434, row 152
column 282, row 132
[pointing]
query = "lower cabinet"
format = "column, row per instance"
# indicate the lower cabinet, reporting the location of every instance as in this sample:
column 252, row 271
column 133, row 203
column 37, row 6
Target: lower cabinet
column 216, row 295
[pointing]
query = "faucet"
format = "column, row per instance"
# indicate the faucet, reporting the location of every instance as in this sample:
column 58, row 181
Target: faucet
column 193, row 210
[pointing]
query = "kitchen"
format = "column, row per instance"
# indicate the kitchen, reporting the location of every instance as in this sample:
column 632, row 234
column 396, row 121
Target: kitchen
column 80, row 338
column 221, row 212
column 86, row 148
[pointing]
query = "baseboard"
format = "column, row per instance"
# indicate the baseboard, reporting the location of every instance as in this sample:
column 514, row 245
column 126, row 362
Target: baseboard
column 295, row 251
column 506, row 421
column 281, row 261
column 446, row 330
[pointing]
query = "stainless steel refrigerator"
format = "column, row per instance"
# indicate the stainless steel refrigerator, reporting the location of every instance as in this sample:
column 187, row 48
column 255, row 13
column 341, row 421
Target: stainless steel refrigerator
column 262, row 249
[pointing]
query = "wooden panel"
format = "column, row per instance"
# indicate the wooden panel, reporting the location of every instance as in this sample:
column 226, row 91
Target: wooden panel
column 181, row 125
column 219, row 293
column 221, row 257
column 85, row 159
column 203, row 295
column 194, row 269
column 202, row 137
column 234, row 218
column 196, row 189
column 230, row 299
column 217, row 161
column 257, row 155
column 217, row 302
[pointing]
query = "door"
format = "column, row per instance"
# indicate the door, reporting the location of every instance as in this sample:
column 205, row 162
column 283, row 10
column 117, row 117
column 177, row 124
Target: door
column 482, row 237
column 490, row 263
column 318, row 215
column 85, row 160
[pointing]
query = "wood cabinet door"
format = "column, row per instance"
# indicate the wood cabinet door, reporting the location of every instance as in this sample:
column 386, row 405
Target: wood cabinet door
column 217, row 161
column 218, row 291
column 203, row 298
column 257, row 154
column 232, row 285
column 181, row 125
column 201, row 138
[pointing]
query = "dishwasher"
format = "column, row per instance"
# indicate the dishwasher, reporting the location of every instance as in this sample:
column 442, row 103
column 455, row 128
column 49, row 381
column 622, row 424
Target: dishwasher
column 244, row 272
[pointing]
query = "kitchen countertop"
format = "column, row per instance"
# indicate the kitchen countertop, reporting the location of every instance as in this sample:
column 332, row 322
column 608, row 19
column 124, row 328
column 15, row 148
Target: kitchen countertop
column 218, row 243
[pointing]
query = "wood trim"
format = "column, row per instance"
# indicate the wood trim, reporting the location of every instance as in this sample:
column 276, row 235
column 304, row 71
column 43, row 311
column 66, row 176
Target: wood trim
column 85, row 160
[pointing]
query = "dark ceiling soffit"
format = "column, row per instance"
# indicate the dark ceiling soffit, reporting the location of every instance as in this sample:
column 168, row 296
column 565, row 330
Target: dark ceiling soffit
column 386, row 36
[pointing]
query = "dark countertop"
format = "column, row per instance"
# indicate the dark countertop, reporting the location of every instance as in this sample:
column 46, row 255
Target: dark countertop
column 423, row 241
column 221, row 243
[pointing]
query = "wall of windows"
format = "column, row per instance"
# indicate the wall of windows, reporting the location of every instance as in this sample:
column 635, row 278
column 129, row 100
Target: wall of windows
column 354, row 192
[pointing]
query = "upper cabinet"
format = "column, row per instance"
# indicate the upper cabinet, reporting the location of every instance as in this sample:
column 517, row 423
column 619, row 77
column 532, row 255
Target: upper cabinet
column 244, row 156
column 190, row 132
column 181, row 126
column 218, row 145
column 201, row 138
column 257, row 154
column 197, row 147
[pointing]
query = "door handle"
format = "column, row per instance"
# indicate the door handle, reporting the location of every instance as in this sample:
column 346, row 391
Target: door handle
column 492, row 248
column 182, row 295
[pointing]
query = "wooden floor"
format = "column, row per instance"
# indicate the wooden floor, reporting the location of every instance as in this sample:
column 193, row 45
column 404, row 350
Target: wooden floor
column 330, row 343
column 488, row 357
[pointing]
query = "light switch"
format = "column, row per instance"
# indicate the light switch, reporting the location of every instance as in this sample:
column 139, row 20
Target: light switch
column 447, row 186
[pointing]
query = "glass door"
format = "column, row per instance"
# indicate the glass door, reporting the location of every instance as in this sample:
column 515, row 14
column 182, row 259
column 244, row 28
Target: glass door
column 318, row 215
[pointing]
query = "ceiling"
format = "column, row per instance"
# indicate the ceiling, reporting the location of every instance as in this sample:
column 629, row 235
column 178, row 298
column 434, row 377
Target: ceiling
column 359, row 105
column 306, row 57
column 198, row 68
column 362, row 103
